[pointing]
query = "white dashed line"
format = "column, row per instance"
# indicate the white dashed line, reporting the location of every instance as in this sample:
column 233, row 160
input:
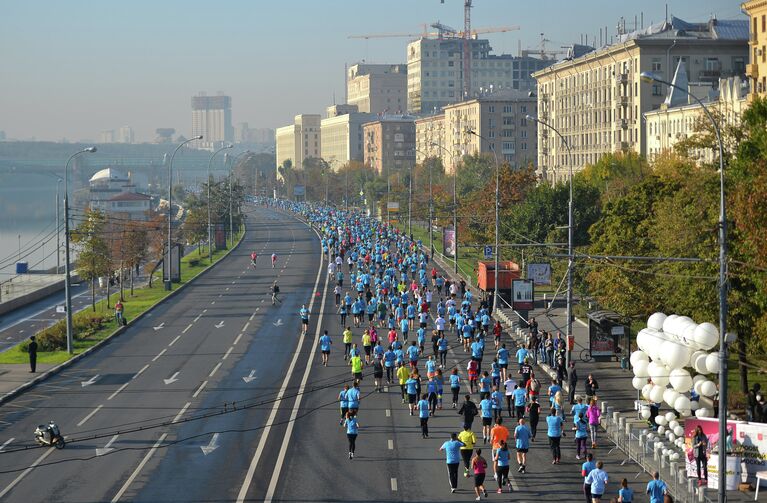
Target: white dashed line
column 247, row 324
column 118, row 390
column 204, row 311
column 394, row 484
column 218, row 365
column 181, row 412
column 390, row 442
column 253, row 316
column 174, row 341
column 199, row 389
column 388, row 412
column 138, row 468
column 228, row 351
column 212, row 302
column 140, row 371
column 93, row 413
column 159, row 355
column 187, row 327
column 237, row 340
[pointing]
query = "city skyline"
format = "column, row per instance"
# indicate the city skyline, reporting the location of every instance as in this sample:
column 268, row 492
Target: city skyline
column 123, row 64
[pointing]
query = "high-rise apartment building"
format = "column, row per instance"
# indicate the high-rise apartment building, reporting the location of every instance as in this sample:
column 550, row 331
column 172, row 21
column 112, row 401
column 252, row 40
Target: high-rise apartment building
column 342, row 135
column 212, row 118
column 125, row 135
column 597, row 101
column 298, row 141
column 430, row 140
column 377, row 89
column 757, row 41
column 389, row 143
column 435, row 72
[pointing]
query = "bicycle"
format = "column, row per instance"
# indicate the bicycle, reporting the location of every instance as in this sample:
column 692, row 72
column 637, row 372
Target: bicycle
column 585, row 356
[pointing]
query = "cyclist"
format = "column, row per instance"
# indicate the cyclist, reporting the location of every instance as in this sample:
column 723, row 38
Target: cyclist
column 275, row 292
column 253, row 257
column 274, row 259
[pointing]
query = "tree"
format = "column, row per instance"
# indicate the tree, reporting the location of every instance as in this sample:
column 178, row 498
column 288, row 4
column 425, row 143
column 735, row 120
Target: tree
column 93, row 249
column 195, row 226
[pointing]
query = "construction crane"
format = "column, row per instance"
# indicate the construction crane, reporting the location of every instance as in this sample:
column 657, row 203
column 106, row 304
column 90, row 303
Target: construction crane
column 541, row 51
column 443, row 31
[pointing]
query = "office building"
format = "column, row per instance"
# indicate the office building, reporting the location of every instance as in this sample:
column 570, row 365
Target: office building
column 377, row 89
column 125, row 135
column 435, row 75
column 430, row 140
column 298, row 141
column 389, row 143
column 757, row 42
column 342, row 136
column 679, row 116
column 212, row 118
column 596, row 101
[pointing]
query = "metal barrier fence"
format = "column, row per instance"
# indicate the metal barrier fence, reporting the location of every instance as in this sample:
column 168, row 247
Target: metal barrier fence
column 630, row 436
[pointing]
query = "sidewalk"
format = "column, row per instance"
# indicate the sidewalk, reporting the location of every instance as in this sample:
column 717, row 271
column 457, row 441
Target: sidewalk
column 13, row 375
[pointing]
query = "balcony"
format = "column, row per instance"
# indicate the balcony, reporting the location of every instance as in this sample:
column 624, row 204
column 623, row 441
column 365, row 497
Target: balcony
column 622, row 78
column 624, row 100
column 624, row 123
column 752, row 71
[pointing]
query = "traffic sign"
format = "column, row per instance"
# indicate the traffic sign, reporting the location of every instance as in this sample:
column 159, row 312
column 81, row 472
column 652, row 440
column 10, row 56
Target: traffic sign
column 61, row 309
column 488, row 252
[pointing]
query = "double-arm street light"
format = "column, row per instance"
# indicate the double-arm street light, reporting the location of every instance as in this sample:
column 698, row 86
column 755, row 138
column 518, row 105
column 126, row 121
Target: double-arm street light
column 67, row 290
column 168, row 257
column 455, row 203
column 210, row 232
column 570, row 257
column 723, row 341
column 497, row 214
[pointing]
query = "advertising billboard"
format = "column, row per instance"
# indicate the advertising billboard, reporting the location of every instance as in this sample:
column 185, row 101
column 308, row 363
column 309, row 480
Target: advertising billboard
column 522, row 295
column 539, row 273
column 448, row 242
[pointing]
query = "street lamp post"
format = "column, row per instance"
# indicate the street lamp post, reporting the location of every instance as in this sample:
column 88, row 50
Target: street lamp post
column 722, row 445
column 67, row 289
column 168, row 281
column 210, row 233
column 570, row 256
column 497, row 216
column 455, row 204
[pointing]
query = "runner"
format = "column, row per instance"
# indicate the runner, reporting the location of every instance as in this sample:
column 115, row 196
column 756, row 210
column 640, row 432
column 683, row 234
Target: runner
column 581, row 429
column 347, row 338
column 274, row 259
column 498, row 434
column 423, row 415
column 501, row 460
column 325, row 343
column 586, row 468
column 469, row 439
column 253, row 257
column 304, row 313
column 479, row 465
column 520, row 395
column 352, row 429
column 275, row 293
column 534, row 413
column 522, row 436
column 455, row 386
column 356, row 364
column 402, row 375
column 367, row 346
column 344, row 403
column 598, row 479
column 555, row 434
column 389, row 359
column 353, row 398
column 412, row 392
column 486, row 410
column 377, row 374
column 469, row 411
column 442, row 347
column 452, row 458
column 593, row 413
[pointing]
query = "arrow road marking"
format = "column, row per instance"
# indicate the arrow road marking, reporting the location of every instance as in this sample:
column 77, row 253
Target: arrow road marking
column 212, row 445
column 278, row 323
column 107, row 448
column 161, row 325
column 5, row 444
column 172, row 379
column 250, row 377
column 219, row 324
column 89, row 381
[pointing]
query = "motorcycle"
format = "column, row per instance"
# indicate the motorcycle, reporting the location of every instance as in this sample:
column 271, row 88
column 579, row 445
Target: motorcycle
column 50, row 435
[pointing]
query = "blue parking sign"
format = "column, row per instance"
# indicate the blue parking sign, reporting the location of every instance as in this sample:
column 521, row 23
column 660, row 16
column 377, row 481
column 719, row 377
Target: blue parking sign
column 488, row 252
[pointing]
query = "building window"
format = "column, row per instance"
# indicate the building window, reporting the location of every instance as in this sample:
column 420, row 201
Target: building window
column 508, row 121
column 507, row 109
column 491, row 109
column 656, row 65
column 656, row 91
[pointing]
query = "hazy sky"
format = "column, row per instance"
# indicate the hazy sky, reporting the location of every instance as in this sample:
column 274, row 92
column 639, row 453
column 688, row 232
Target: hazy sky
column 72, row 68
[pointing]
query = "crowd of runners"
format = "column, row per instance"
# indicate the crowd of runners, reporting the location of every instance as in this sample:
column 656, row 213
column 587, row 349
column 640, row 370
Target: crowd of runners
column 400, row 316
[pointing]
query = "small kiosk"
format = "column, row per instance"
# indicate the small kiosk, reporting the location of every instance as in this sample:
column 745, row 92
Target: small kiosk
column 608, row 336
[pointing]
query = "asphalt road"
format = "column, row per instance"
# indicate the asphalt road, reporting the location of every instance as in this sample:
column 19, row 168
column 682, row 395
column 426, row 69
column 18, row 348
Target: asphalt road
column 237, row 407
column 187, row 360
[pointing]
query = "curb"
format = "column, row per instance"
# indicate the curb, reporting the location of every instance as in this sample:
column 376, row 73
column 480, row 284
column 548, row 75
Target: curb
column 58, row 368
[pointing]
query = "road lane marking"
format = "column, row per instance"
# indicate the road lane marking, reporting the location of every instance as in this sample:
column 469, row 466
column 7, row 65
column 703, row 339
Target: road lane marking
column 273, row 413
column 137, row 470
column 174, row 340
column 394, row 484
column 197, row 318
column 181, row 412
column 204, row 311
column 247, row 324
column 93, row 413
column 140, row 371
column 390, row 442
column 218, row 365
column 187, row 328
column 228, row 352
column 237, row 340
column 118, row 390
column 212, row 302
column 159, row 355
column 294, row 413
column 388, row 412
column 199, row 389
column 26, row 472
column 252, row 316
column 5, row 444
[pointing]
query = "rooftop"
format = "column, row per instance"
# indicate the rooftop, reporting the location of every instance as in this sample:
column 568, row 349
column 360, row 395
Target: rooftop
column 130, row 196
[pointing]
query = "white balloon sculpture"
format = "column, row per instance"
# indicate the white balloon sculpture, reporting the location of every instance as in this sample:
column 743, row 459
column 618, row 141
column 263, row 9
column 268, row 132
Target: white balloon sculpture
column 670, row 349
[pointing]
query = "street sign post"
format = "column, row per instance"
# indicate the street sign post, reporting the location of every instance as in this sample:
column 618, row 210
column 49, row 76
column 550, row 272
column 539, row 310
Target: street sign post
column 488, row 252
